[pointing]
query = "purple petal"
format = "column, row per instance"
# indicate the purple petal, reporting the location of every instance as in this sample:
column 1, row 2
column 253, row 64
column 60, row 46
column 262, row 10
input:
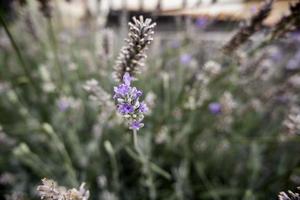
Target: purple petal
column 201, row 22
column 127, row 78
column 63, row 105
column 215, row 108
column 185, row 59
column 135, row 93
column 125, row 108
column 136, row 125
column 143, row 108
column 122, row 90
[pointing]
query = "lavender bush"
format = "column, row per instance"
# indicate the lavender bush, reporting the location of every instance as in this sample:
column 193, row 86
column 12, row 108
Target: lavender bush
column 188, row 122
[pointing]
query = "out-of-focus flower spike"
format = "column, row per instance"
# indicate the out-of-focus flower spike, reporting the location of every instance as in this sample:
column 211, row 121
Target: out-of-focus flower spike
column 254, row 24
column 287, row 23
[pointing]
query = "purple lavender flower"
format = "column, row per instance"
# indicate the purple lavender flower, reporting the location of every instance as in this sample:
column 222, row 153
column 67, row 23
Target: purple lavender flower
column 125, row 108
column 127, row 79
column 276, row 55
column 201, row 22
column 215, row 108
column 128, row 104
column 136, row 125
column 296, row 35
column 185, row 59
column 63, row 104
column 143, row 108
column 136, row 93
column 294, row 63
column 282, row 99
column 121, row 90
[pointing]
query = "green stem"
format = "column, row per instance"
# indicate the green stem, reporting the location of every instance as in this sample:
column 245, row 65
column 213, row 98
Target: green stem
column 146, row 165
column 63, row 151
column 54, row 46
column 135, row 142
column 111, row 152
column 18, row 52
column 115, row 172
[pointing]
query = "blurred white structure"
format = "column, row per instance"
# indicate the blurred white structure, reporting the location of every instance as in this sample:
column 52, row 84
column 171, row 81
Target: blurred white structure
column 221, row 9
column 166, row 5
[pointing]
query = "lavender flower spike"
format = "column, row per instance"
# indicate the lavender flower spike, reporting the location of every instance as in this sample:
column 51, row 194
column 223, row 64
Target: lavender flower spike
column 132, row 55
column 128, row 103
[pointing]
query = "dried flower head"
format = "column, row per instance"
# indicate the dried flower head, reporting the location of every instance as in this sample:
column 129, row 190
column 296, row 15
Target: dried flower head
column 212, row 68
column 289, row 196
column 254, row 24
column 228, row 103
column 97, row 93
column 132, row 55
column 128, row 104
column 49, row 190
column 65, row 103
column 292, row 123
column 150, row 100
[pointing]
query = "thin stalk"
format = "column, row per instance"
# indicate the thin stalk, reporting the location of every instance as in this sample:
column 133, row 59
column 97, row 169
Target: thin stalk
column 54, row 46
column 18, row 52
column 135, row 142
column 259, row 47
column 63, row 151
column 115, row 172
column 146, row 165
column 111, row 152
column 152, row 190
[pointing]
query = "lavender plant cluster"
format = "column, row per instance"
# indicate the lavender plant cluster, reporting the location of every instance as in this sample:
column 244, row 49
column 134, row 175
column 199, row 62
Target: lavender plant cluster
column 85, row 115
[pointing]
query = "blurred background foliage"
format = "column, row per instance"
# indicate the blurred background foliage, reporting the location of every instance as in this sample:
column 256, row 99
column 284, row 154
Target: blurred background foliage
column 222, row 126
